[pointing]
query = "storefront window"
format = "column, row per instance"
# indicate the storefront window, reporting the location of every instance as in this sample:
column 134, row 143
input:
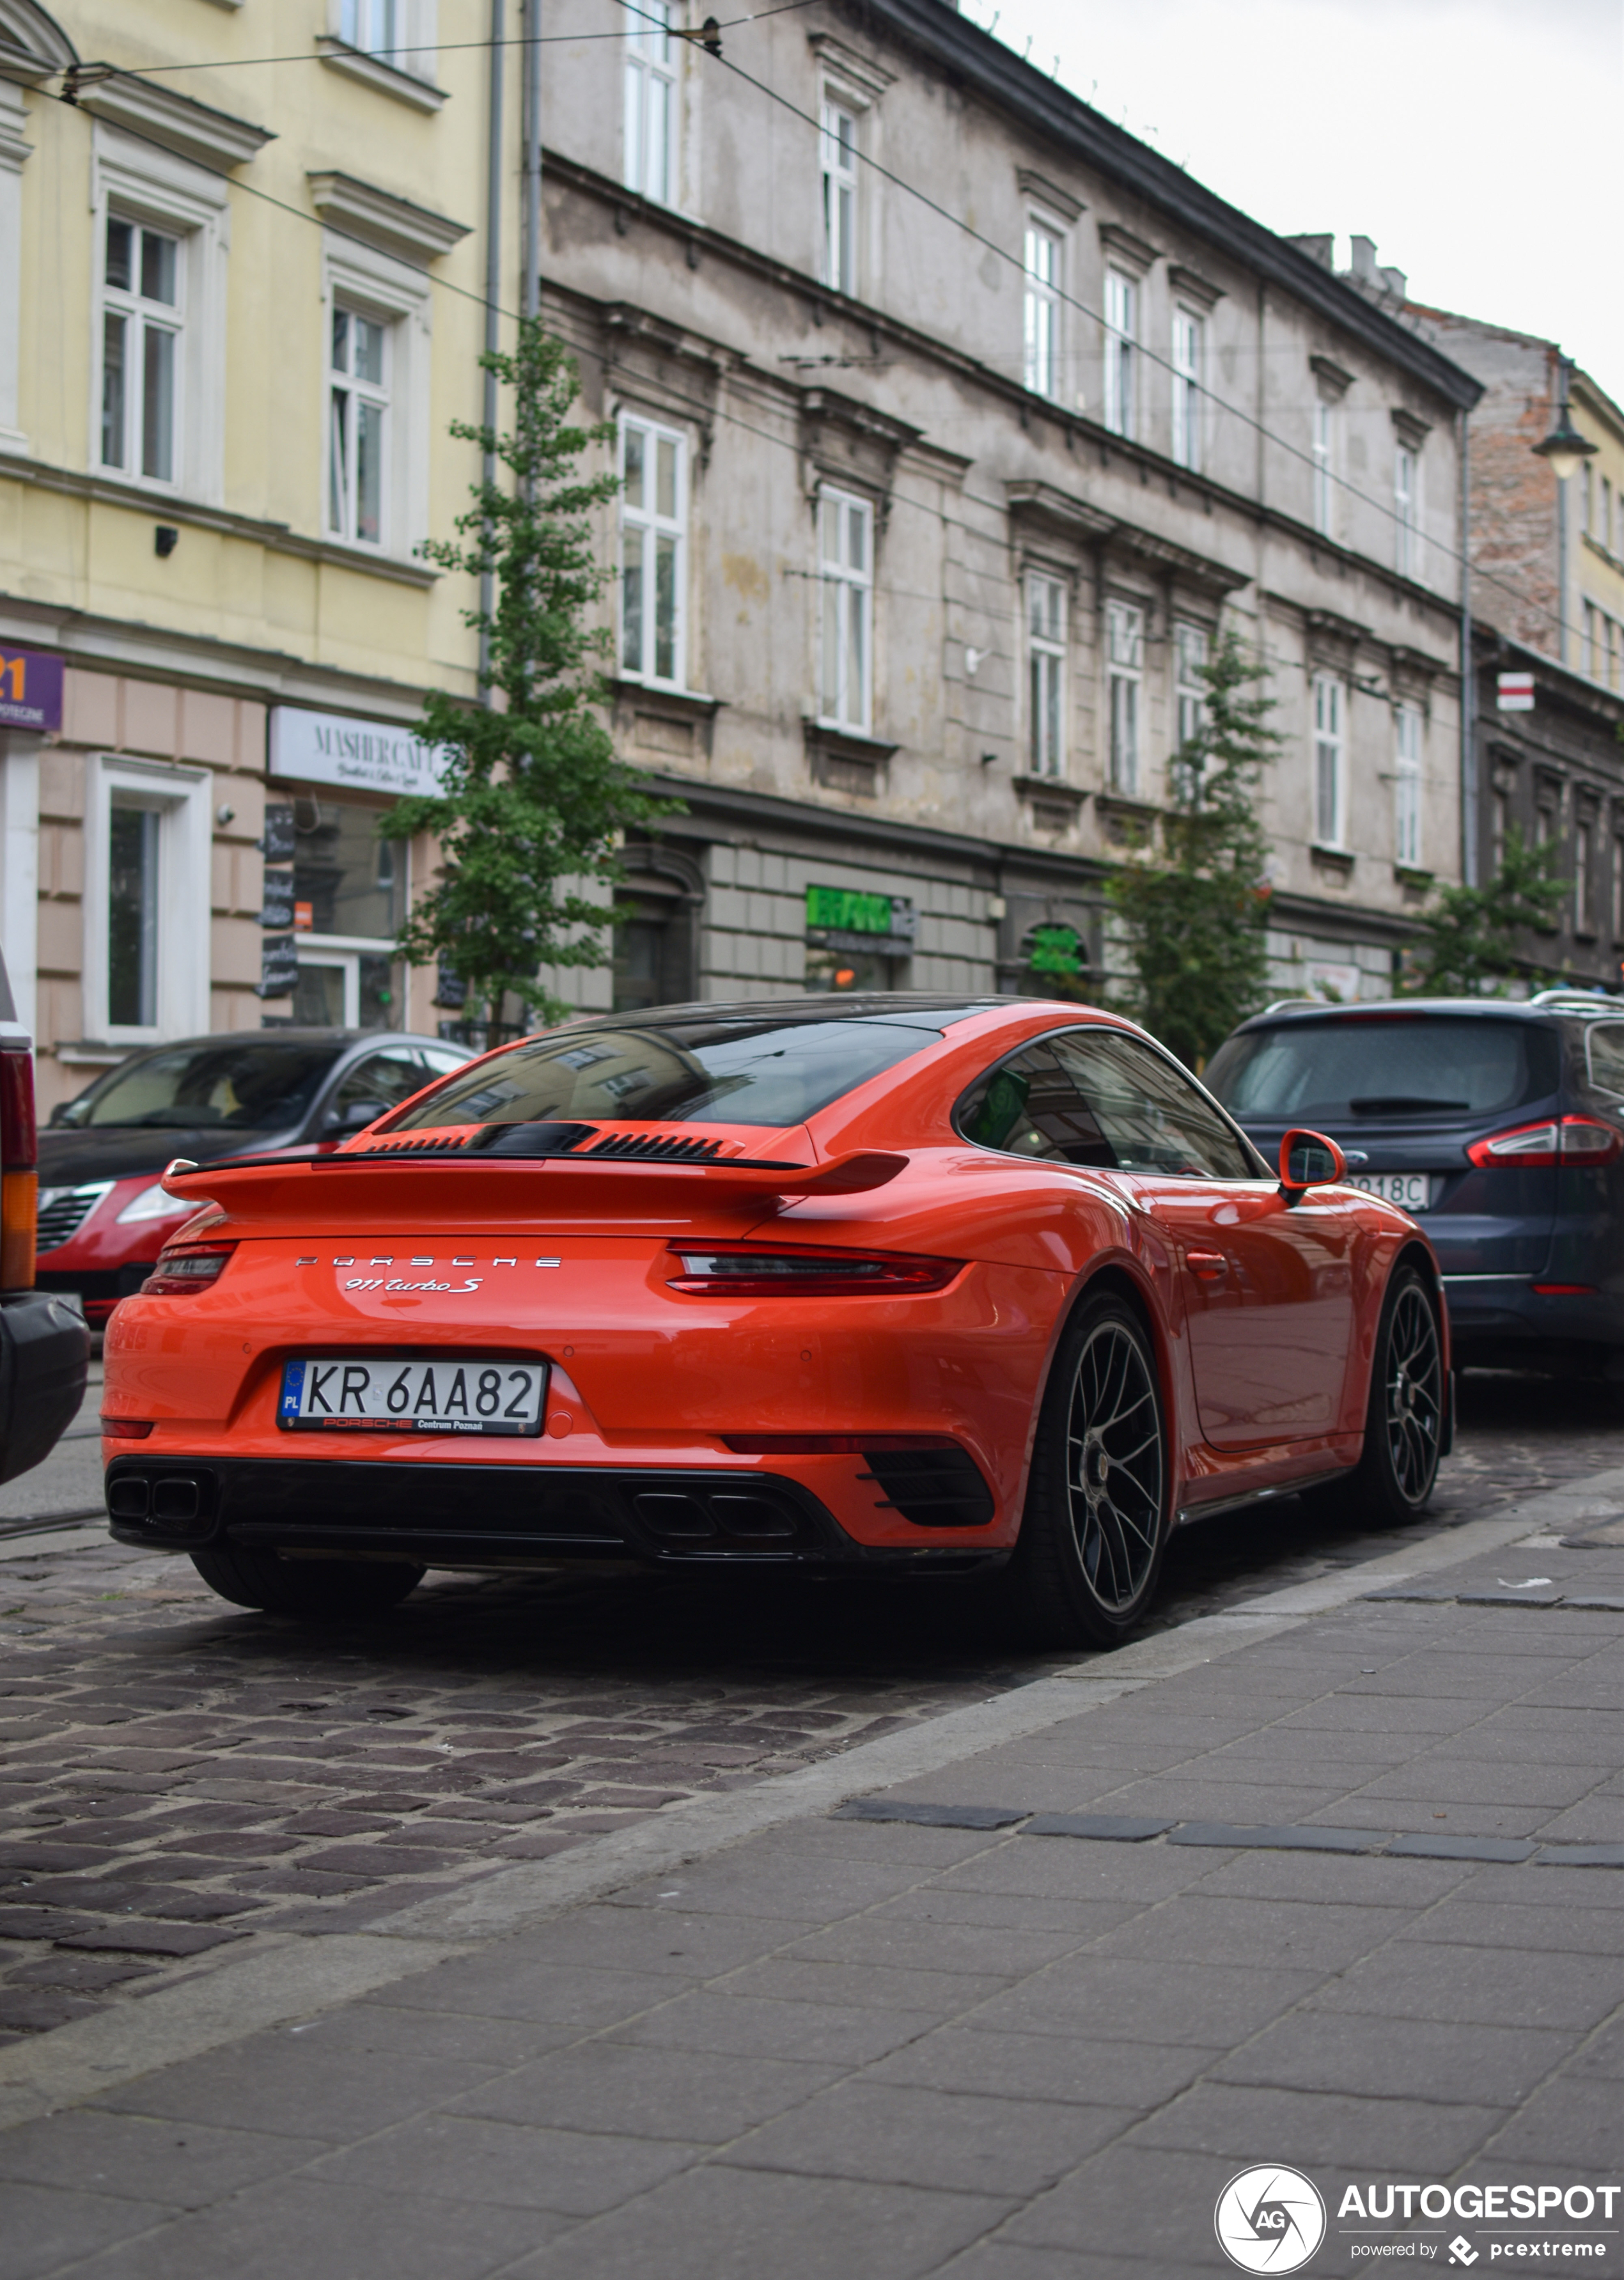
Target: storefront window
column 349, row 904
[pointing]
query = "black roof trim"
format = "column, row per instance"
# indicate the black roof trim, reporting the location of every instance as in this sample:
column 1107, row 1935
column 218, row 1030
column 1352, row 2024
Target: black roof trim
column 937, row 29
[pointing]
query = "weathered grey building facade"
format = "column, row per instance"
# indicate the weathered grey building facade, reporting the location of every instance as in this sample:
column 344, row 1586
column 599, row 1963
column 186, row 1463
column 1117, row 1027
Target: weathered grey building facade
column 955, row 423
column 1547, row 602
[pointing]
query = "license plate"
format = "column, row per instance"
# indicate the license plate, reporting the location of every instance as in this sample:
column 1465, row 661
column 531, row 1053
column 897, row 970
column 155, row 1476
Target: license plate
column 428, row 1393
column 1412, row 1190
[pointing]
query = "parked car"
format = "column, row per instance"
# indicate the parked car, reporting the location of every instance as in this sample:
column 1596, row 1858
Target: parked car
column 103, row 1215
column 1498, row 1126
column 907, row 1283
column 44, row 1345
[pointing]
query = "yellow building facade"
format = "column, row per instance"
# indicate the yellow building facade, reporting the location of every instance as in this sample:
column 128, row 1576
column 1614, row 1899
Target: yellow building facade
column 241, row 300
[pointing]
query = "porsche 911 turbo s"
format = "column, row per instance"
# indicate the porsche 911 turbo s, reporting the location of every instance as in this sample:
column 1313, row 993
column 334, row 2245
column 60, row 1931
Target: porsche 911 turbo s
column 890, row 1282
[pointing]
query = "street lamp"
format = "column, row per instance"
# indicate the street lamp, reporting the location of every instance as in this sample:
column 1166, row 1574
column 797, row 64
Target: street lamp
column 1564, row 450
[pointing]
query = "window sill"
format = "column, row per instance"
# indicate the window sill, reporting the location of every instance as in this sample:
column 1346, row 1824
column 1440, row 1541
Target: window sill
column 86, row 1053
column 372, row 71
column 1125, row 819
column 849, row 743
column 1051, row 788
column 1336, row 861
column 1408, row 876
column 661, row 697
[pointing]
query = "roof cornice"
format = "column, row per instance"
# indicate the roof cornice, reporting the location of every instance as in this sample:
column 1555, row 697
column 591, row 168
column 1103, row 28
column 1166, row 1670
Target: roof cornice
column 935, row 28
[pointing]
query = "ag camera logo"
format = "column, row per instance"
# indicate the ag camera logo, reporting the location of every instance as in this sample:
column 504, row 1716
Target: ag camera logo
column 1269, row 2220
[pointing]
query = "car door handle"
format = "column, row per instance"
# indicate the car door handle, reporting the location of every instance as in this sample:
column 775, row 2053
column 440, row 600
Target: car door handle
column 1209, row 1265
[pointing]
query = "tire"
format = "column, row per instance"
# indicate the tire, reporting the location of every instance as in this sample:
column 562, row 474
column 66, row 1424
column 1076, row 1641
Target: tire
column 311, row 1588
column 1090, row 1553
column 1393, row 1479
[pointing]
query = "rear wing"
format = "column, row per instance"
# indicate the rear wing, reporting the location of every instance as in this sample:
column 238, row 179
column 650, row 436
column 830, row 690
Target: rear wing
column 299, row 1183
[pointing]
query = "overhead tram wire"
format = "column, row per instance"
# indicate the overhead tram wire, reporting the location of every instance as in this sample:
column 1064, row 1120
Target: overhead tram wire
column 412, row 48
column 462, row 292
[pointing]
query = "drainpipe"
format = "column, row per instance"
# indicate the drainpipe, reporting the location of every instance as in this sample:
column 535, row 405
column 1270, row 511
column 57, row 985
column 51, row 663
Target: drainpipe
column 493, row 289
column 1468, row 672
column 530, row 302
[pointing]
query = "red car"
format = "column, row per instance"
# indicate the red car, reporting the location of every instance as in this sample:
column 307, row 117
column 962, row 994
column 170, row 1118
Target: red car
column 900, row 1282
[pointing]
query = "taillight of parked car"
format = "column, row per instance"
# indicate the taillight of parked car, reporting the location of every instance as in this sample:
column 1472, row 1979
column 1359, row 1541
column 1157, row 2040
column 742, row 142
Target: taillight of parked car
column 1580, row 1141
column 20, row 1180
column 744, row 1272
column 185, row 1267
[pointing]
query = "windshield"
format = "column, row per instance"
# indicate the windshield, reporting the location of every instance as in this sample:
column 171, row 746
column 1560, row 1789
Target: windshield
column 238, row 1086
column 1384, row 1065
column 734, row 1071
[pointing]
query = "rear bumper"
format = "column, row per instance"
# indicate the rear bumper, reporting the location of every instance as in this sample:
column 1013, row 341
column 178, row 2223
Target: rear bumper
column 1485, row 1308
column 44, row 1354
column 447, row 1515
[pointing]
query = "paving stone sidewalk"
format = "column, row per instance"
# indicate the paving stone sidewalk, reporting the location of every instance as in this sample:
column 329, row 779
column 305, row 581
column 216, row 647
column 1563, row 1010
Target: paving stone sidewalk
column 891, row 2047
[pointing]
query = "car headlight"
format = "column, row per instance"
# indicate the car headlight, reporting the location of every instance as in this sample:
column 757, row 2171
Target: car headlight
column 155, row 1203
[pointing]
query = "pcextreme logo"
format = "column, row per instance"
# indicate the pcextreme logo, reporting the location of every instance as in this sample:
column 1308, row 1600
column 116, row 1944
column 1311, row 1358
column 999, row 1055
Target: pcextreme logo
column 1269, row 2220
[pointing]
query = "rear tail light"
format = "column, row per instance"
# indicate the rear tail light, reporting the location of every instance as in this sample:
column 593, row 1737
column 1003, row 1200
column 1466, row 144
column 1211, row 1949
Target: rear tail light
column 124, row 1429
column 1577, row 1140
column 746, row 1273
column 19, row 1183
column 187, row 1267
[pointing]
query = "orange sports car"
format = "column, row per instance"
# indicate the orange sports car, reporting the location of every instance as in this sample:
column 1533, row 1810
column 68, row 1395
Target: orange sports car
column 891, row 1281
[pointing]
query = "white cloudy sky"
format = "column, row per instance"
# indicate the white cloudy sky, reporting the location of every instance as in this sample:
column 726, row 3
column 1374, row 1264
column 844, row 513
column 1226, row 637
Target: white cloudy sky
column 1476, row 140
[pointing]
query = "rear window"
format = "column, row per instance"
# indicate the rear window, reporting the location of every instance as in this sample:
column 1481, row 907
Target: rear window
column 1384, row 1066
column 733, row 1072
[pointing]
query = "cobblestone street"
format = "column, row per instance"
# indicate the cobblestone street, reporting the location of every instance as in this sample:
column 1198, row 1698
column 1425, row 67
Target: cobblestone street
column 177, row 1774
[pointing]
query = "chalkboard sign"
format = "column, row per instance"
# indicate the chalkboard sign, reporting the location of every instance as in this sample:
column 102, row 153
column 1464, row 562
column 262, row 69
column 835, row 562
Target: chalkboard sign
column 277, row 909
column 450, row 990
column 279, row 965
column 278, row 843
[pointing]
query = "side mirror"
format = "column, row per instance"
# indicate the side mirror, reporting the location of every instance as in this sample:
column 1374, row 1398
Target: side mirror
column 357, row 1117
column 1308, row 1159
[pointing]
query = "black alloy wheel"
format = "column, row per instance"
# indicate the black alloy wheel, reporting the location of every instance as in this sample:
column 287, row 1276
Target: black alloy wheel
column 250, row 1575
column 1395, row 1477
column 1095, row 1520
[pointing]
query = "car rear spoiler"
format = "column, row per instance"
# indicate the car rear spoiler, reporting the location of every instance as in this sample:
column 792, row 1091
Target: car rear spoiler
column 293, row 1182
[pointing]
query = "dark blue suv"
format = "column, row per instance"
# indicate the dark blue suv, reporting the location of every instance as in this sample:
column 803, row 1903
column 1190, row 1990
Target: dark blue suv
column 1500, row 1124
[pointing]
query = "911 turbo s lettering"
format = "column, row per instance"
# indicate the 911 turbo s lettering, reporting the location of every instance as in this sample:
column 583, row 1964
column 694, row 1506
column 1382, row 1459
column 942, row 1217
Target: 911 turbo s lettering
column 886, row 1281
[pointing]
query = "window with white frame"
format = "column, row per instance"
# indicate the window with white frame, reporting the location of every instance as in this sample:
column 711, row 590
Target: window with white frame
column 146, row 902
column 653, row 551
column 373, row 26
column 1407, row 786
column 376, row 411
column 1330, row 766
column 650, row 102
column 1190, row 693
column 845, row 570
column 357, row 427
column 1406, row 481
column 1589, row 644
column 1045, row 675
column 839, row 159
column 1122, row 351
column 1584, row 885
column 1125, row 675
column 1189, row 357
column 1324, row 468
column 157, row 316
column 144, row 315
column 1605, row 533
column 1042, row 308
column 1618, row 890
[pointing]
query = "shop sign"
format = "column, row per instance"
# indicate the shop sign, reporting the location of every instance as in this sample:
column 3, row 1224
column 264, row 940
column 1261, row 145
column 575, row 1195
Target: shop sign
column 1054, row 950
column 30, row 689
column 1514, row 693
column 329, row 748
column 845, row 918
column 276, row 908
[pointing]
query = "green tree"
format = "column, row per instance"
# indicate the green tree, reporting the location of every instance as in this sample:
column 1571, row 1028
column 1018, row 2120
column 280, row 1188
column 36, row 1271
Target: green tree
column 533, row 804
column 1193, row 895
column 1473, row 935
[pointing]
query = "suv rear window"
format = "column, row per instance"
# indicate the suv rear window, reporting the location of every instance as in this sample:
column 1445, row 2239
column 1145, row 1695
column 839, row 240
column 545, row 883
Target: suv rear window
column 1384, row 1065
column 763, row 1071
